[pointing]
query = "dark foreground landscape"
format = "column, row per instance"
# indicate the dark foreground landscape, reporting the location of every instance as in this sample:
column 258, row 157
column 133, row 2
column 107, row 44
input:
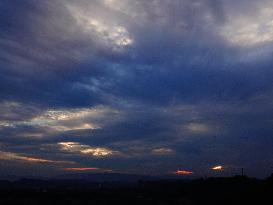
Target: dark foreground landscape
column 235, row 190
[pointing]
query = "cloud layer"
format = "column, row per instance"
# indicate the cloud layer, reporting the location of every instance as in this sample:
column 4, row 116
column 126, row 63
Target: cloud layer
column 149, row 86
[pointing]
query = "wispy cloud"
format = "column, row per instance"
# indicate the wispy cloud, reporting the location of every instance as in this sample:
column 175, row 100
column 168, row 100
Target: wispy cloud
column 162, row 151
column 22, row 158
column 250, row 29
column 86, row 169
column 81, row 169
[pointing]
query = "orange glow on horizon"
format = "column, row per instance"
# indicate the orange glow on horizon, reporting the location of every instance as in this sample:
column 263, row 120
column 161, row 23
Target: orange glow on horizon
column 218, row 168
column 183, row 172
column 81, row 169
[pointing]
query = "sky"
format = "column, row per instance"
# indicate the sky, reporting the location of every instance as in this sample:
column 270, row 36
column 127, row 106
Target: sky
column 134, row 86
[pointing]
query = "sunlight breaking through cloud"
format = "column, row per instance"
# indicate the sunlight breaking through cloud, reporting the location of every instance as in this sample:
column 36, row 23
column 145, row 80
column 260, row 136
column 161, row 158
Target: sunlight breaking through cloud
column 66, row 119
column 115, row 36
column 76, row 147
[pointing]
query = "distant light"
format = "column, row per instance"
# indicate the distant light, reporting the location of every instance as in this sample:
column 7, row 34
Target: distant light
column 218, row 168
column 183, row 172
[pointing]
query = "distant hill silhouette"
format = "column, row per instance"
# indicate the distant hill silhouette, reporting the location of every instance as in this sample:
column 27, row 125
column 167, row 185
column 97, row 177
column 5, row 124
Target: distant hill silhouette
column 106, row 177
column 114, row 188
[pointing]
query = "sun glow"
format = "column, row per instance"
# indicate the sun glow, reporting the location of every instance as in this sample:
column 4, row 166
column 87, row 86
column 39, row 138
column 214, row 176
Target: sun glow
column 218, row 168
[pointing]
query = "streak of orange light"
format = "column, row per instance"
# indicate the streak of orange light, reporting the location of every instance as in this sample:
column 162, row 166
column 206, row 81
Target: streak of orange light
column 183, row 172
column 19, row 157
column 218, row 168
column 81, row 169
